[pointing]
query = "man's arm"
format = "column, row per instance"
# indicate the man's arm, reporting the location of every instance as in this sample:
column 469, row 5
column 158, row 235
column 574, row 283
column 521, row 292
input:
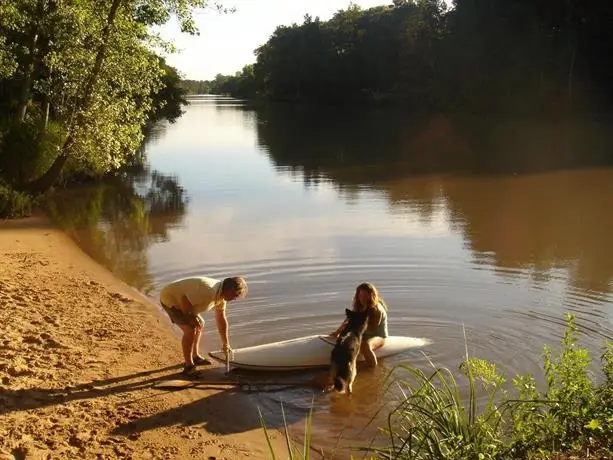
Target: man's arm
column 187, row 308
column 222, row 326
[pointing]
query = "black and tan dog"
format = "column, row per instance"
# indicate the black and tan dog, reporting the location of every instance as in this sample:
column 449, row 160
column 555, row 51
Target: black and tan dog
column 343, row 360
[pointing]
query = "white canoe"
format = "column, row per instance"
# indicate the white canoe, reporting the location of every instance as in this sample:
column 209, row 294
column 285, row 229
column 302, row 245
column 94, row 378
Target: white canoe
column 304, row 353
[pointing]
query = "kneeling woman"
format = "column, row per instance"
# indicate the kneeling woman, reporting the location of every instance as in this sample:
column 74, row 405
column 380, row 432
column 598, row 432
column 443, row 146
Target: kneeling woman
column 366, row 299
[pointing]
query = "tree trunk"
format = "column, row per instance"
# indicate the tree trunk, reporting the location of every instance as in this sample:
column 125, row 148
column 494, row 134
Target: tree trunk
column 24, row 93
column 46, row 181
column 44, row 118
column 572, row 46
column 100, row 55
column 571, row 71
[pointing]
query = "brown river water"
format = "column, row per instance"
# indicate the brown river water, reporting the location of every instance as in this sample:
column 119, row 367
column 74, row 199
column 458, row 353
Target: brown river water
column 487, row 228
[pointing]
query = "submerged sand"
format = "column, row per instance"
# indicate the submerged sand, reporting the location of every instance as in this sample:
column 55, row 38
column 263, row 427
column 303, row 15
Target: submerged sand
column 80, row 353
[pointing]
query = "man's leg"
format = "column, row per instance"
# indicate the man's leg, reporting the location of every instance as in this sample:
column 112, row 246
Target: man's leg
column 191, row 337
column 196, row 356
column 187, row 343
column 196, row 345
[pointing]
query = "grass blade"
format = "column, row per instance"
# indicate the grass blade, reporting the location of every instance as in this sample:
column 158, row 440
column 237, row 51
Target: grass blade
column 268, row 441
column 290, row 449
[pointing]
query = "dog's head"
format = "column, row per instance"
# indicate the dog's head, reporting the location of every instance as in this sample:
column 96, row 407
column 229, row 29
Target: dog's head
column 357, row 321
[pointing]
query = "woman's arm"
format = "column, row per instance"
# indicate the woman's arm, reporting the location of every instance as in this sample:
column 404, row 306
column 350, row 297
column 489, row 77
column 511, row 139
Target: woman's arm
column 374, row 319
column 340, row 329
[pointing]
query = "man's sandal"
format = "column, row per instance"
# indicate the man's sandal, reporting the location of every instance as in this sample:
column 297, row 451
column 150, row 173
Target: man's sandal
column 200, row 361
column 189, row 370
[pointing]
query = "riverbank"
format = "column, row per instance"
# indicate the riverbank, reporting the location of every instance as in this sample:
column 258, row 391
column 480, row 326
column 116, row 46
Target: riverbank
column 81, row 352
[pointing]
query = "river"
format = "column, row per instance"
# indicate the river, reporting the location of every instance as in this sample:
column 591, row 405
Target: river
column 490, row 229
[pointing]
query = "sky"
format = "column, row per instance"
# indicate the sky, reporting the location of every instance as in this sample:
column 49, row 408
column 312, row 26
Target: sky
column 227, row 41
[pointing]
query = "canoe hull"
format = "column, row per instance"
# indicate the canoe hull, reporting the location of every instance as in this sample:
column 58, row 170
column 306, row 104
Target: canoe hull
column 310, row 352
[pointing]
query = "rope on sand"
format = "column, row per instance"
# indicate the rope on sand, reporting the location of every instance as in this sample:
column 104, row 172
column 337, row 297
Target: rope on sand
column 243, row 385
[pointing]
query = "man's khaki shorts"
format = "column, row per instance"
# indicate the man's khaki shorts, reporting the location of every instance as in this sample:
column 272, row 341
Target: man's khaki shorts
column 178, row 317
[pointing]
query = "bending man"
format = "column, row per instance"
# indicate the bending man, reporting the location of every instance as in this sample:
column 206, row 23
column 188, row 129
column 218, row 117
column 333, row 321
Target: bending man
column 186, row 299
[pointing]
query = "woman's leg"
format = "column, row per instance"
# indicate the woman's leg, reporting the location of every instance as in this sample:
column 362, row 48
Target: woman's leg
column 368, row 347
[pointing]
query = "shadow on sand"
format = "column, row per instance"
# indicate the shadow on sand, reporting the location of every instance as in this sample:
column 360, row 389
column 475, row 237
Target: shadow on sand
column 229, row 405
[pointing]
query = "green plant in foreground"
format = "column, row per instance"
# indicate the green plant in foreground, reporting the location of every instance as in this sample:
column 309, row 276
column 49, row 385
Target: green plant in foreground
column 292, row 450
column 573, row 413
column 437, row 419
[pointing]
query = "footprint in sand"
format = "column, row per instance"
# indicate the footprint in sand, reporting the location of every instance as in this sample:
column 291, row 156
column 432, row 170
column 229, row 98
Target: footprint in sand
column 120, row 297
column 19, row 371
column 18, row 298
column 32, row 339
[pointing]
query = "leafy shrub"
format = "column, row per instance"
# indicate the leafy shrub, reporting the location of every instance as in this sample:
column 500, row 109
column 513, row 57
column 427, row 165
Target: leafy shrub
column 25, row 153
column 14, row 204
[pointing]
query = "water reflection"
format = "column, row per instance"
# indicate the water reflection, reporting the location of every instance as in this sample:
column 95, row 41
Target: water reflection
column 115, row 222
column 541, row 223
column 505, row 185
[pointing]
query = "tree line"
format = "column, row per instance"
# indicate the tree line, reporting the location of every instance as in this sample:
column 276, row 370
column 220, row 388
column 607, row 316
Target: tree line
column 80, row 81
column 503, row 55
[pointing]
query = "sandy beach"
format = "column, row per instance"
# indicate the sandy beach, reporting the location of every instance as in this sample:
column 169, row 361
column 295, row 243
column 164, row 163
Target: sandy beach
column 79, row 354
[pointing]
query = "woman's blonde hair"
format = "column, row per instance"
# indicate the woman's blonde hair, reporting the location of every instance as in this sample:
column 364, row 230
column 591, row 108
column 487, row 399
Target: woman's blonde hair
column 374, row 296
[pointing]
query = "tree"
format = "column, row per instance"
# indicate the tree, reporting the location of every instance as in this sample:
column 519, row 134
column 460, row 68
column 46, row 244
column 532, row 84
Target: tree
column 169, row 99
column 89, row 64
column 485, row 55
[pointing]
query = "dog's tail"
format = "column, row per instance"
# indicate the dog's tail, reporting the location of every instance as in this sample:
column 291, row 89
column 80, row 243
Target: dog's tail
column 338, row 384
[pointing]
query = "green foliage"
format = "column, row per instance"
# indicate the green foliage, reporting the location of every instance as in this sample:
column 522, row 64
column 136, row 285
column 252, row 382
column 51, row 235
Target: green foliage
column 14, row 204
column 435, row 420
column 84, row 70
column 9, row 19
column 571, row 393
column 167, row 102
column 243, row 84
column 26, row 151
column 573, row 413
column 293, row 451
column 105, row 122
column 506, row 55
column 196, row 86
column 7, row 62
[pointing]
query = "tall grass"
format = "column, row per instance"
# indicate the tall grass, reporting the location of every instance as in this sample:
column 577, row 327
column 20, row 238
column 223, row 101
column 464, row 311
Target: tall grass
column 293, row 451
column 438, row 417
column 435, row 420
